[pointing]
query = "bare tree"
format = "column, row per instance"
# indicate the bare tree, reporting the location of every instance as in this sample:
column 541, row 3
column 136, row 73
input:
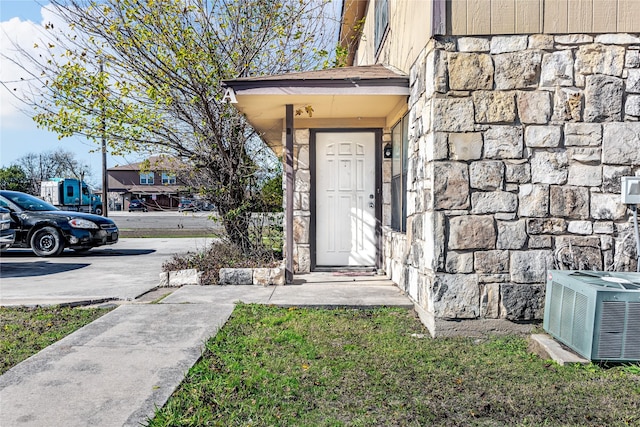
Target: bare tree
column 60, row 163
column 160, row 85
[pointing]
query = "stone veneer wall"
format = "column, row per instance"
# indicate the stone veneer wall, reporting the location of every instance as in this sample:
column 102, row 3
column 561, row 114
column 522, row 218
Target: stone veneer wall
column 301, row 201
column 517, row 146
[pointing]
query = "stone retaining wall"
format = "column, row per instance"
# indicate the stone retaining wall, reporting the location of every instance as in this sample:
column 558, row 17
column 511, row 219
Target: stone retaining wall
column 517, row 146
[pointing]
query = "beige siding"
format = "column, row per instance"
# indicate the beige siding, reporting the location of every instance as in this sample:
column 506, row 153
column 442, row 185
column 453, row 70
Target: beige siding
column 605, row 13
column 529, row 15
column 408, row 32
column 477, row 17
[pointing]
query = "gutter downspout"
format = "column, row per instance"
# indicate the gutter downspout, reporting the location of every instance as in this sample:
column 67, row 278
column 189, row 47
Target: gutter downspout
column 289, row 183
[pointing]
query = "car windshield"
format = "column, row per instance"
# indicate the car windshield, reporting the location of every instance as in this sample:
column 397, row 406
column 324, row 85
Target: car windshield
column 29, row 203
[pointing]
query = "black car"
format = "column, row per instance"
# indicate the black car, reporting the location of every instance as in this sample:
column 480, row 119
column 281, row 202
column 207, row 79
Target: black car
column 137, row 205
column 7, row 234
column 188, row 205
column 47, row 230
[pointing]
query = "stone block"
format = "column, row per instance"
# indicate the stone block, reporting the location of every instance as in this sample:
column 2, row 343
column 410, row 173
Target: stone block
column 522, row 302
column 584, row 154
column 571, row 255
column 632, row 105
column 632, row 59
column 557, row 69
column 471, row 232
column 301, row 259
column 302, row 160
column 302, row 182
column 545, row 226
column 620, row 143
column 584, row 228
column 519, row 173
column 603, row 99
column 465, row 146
column 235, row 276
column 453, row 114
column 451, row 185
column 583, row 134
column 567, row 106
column 163, row 281
column 600, row 59
column 517, row 70
column 493, row 262
column 530, row 266
column 490, row 301
column 633, row 81
column 617, row 38
column 189, row 276
column 605, row 206
column 473, row 44
column 539, row 242
column 541, row 41
column 504, row 44
column 493, row 201
column 603, row 227
column 612, row 177
column 585, row 175
column 436, row 69
column 455, row 296
column 533, row 200
column 268, row 276
column 569, row 202
column 503, row 142
column 573, row 39
column 301, row 229
column 459, row 262
column 487, row 175
column 470, row 71
column 511, row 235
column 301, row 136
column 494, row 106
column 549, row 167
column 534, row 107
column 542, row 136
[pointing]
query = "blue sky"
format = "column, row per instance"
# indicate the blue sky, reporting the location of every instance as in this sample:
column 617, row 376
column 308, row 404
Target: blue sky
column 19, row 135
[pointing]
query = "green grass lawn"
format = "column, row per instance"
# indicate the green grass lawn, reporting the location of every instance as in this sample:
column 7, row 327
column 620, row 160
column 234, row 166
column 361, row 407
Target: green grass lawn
column 278, row 367
column 26, row 331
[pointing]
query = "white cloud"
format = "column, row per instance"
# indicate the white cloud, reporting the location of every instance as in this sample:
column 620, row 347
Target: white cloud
column 16, row 35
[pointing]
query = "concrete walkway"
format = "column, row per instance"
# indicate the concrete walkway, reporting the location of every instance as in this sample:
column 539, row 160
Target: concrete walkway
column 118, row 369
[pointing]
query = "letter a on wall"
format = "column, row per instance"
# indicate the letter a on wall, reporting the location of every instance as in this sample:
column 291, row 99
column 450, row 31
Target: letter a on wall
column 229, row 96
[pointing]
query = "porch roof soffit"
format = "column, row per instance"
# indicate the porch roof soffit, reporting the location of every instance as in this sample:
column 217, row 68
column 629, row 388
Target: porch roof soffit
column 348, row 93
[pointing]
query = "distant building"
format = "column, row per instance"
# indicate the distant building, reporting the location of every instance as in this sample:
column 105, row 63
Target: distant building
column 154, row 181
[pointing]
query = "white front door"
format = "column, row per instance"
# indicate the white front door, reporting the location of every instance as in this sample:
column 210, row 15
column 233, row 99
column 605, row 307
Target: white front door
column 345, row 199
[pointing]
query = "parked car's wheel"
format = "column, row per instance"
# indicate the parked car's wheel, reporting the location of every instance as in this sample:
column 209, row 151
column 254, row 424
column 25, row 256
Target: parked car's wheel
column 98, row 210
column 47, row 241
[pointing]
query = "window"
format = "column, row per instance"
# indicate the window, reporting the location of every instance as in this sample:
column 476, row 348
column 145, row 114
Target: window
column 168, row 178
column 146, row 178
column 399, row 141
column 382, row 21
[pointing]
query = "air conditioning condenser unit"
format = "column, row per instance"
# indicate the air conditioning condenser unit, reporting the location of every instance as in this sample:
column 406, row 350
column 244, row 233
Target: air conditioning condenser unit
column 595, row 313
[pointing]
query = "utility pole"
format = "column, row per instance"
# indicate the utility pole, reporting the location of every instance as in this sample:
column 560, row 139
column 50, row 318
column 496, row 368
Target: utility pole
column 105, row 184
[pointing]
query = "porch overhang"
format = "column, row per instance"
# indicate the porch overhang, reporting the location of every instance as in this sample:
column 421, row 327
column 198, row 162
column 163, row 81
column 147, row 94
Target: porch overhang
column 346, row 97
